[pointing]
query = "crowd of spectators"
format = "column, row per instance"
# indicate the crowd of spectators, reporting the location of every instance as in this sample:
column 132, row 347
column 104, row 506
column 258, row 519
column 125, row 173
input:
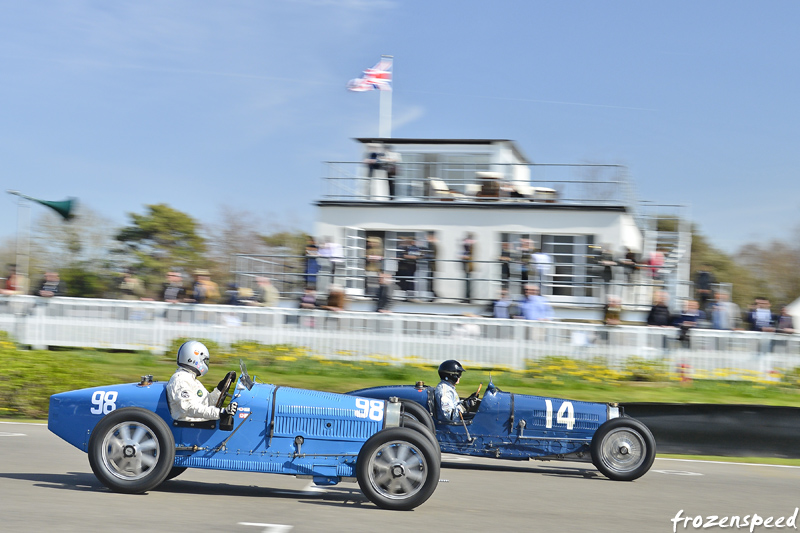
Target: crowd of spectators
column 415, row 275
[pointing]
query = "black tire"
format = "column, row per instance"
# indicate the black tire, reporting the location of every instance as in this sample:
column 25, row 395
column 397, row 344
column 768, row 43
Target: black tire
column 408, row 422
column 397, row 469
column 131, row 450
column 175, row 472
column 420, row 414
column 623, row 449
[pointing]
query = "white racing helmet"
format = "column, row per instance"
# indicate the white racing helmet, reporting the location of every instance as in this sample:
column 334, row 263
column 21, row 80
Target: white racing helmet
column 193, row 355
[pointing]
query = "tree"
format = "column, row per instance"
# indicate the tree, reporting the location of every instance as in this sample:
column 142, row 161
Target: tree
column 746, row 285
column 78, row 250
column 161, row 240
column 774, row 264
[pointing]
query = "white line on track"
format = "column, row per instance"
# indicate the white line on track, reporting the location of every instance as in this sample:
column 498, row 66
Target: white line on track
column 723, row 462
column 26, row 423
column 6, row 434
column 268, row 528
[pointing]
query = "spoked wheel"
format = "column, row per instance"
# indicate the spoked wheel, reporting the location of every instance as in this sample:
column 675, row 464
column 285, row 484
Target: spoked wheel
column 397, row 469
column 623, row 449
column 131, row 450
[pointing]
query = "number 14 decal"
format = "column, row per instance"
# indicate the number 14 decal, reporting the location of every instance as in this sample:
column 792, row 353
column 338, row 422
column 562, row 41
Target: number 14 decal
column 565, row 415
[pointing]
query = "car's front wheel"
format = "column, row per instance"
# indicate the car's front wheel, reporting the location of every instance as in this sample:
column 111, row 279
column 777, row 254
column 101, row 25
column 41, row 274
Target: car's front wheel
column 623, row 449
column 398, row 469
column 131, row 450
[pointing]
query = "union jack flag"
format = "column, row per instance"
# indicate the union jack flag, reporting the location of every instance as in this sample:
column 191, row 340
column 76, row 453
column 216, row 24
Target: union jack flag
column 378, row 77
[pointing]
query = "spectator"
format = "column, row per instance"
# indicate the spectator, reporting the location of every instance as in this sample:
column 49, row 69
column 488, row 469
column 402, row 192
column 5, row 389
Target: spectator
column 505, row 260
column 336, row 299
column 606, row 263
column 704, row 286
column 266, row 295
column 629, row 264
column 524, row 256
column 724, row 313
column 655, row 263
column 612, row 311
column 311, row 264
column 535, row 306
column 232, row 295
column 52, row 286
column 131, row 287
column 205, row 291
column 332, row 252
column 13, row 282
column 543, row 263
column 385, row 293
column 660, row 315
column 391, row 164
column 375, row 158
column 504, row 306
column 408, row 255
column 784, row 323
column 309, row 299
column 372, row 265
column 430, row 254
column 467, row 261
column 688, row 320
column 761, row 317
column 173, row 291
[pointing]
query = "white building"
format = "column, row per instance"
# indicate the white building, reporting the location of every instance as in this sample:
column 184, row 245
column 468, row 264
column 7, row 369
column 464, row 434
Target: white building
column 489, row 188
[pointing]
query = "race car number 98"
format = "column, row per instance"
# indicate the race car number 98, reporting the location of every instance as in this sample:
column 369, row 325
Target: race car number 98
column 104, row 402
column 372, row 409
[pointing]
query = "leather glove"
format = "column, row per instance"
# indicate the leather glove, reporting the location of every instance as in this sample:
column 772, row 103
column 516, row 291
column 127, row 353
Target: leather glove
column 221, row 384
column 231, row 409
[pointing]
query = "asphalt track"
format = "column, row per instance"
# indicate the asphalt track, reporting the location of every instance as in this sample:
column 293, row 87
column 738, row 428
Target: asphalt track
column 47, row 485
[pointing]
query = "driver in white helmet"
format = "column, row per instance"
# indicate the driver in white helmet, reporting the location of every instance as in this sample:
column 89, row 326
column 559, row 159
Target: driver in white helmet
column 451, row 408
column 188, row 399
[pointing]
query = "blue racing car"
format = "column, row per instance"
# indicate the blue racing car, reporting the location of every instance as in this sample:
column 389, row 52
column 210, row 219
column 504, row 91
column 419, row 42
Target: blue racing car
column 134, row 445
column 518, row 426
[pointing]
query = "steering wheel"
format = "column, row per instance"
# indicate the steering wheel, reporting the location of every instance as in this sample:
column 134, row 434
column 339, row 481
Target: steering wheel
column 227, row 383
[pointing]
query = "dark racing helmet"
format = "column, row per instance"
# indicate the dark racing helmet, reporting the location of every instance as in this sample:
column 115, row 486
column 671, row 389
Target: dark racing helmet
column 450, row 370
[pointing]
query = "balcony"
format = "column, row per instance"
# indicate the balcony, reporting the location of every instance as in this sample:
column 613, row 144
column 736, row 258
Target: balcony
column 472, row 184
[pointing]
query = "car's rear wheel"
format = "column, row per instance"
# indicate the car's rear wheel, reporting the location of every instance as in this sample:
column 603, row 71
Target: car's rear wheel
column 410, row 423
column 131, row 450
column 417, row 412
column 397, row 469
column 623, row 449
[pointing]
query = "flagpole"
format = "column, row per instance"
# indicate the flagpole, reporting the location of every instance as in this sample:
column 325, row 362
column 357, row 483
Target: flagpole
column 385, row 117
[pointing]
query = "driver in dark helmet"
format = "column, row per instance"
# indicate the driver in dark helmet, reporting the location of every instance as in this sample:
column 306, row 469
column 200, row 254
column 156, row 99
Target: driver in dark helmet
column 451, row 407
column 188, row 399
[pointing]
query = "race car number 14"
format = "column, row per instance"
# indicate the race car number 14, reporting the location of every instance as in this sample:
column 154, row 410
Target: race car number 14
column 372, row 409
column 565, row 415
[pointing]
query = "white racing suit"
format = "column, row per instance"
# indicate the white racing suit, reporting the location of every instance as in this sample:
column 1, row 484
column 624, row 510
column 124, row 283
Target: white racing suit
column 448, row 402
column 189, row 400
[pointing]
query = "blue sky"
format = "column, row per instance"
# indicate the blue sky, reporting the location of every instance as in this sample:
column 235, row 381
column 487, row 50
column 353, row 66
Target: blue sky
column 201, row 104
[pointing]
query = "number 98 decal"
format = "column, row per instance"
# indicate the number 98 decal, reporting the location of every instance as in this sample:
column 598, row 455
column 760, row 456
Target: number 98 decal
column 104, row 402
column 372, row 409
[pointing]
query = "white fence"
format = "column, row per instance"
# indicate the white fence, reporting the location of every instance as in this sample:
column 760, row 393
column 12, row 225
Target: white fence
column 133, row 325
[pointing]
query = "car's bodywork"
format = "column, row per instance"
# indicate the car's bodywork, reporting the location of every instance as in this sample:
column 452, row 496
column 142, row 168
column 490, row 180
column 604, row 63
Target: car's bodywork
column 519, row 426
column 281, row 430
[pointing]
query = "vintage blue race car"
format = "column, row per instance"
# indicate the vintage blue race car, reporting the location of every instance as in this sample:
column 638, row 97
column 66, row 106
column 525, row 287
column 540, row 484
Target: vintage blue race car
column 518, row 426
column 134, row 445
